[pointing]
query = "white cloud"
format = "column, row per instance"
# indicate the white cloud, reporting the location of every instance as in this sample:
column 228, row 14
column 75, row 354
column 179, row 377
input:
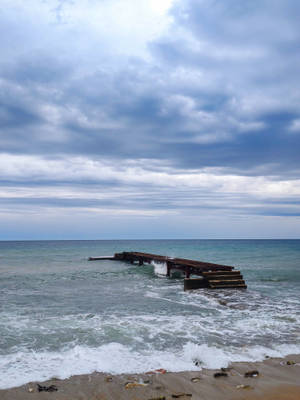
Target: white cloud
column 295, row 126
column 90, row 28
column 75, row 170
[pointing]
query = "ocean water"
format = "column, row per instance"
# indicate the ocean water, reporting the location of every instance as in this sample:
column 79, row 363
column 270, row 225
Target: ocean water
column 61, row 315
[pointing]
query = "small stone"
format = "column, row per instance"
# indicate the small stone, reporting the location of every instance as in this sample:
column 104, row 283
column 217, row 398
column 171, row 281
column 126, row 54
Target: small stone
column 30, row 390
column 196, row 379
column 251, row 374
column 244, row 387
column 158, row 398
column 131, row 385
column 51, row 388
column 289, row 362
column 220, row 374
column 178, row 395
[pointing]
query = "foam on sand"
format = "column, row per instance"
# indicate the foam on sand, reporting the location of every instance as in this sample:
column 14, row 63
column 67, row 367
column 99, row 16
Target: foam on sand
column 22, row 367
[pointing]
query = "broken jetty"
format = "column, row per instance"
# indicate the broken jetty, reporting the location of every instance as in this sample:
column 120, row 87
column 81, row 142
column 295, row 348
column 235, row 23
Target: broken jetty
column 213, row 276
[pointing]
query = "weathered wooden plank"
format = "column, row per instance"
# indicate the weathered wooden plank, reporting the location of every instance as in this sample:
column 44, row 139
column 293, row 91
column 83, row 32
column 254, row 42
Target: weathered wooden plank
column 226, row 282
column 228, row 287
column 195, row 283
column 174, row 262
column 213, row 273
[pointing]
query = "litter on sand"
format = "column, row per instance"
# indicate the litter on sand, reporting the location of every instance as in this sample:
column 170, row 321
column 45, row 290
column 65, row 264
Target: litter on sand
column 220, row 374
column 244, row 387
column 51, row 388
column 251, row 374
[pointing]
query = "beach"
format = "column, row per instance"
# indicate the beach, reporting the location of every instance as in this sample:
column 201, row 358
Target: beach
column 78, row 321
column 277, row 379
column 150, row 200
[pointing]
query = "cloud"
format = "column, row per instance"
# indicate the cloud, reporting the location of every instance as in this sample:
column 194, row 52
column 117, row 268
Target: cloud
column 139, row 188
column 174, row 107
column 295, row 126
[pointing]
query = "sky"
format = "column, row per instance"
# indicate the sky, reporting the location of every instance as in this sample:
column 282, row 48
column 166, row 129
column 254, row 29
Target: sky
column 146, row 119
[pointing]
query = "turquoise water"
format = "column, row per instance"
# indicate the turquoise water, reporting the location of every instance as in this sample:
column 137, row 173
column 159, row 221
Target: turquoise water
column 62, row 315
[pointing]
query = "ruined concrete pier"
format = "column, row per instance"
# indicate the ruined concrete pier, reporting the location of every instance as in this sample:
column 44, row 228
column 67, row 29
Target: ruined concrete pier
column 214, row 276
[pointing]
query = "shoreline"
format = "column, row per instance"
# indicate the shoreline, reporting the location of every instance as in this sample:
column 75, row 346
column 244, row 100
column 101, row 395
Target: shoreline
column 278, row 379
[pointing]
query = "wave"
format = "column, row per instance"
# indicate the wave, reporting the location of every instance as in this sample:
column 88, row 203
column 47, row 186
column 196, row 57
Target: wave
column 160, row 269
column 274, row 279
column 114, row 358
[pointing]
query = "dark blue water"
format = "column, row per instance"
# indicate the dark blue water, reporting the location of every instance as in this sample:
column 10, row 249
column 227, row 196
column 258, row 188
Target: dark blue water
column 62, row 315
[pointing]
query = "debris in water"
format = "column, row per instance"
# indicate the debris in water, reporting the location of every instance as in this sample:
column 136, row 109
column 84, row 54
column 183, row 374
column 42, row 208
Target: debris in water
column 197, row 362
column 157, row 371
column 160, row 371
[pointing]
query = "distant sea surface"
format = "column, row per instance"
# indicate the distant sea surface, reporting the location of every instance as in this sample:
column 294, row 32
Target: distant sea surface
column 61, row 315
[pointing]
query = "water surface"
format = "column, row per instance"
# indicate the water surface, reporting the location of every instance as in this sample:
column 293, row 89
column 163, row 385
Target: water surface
column 62, row 315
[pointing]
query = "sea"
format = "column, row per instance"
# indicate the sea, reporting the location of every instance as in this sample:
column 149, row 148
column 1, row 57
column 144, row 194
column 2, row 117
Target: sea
column 62, row 315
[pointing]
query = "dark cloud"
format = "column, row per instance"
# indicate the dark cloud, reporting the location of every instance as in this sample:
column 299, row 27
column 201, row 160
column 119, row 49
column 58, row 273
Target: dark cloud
column 219, row 90
column 14, row 116
column 143, row 109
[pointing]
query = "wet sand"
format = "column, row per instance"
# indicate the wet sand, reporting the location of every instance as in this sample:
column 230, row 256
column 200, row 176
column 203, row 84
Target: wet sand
column 276, row 381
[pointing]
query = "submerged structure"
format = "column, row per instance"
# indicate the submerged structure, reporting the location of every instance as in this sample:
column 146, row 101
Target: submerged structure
column 213, row 276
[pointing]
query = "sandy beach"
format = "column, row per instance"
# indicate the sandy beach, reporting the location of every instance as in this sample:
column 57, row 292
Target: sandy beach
column 277, row 379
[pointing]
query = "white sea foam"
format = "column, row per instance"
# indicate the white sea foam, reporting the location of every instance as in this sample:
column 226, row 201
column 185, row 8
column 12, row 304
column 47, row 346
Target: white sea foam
column 22, row 367
column 160, row 269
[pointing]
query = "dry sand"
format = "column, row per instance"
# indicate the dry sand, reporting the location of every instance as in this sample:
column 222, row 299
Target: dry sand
column 276, row 381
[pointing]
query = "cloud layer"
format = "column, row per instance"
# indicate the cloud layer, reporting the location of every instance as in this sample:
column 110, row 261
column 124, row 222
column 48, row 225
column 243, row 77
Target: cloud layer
column 147, row 109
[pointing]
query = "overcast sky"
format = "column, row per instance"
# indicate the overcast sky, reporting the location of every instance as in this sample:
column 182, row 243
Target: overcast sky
column 149, row 119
